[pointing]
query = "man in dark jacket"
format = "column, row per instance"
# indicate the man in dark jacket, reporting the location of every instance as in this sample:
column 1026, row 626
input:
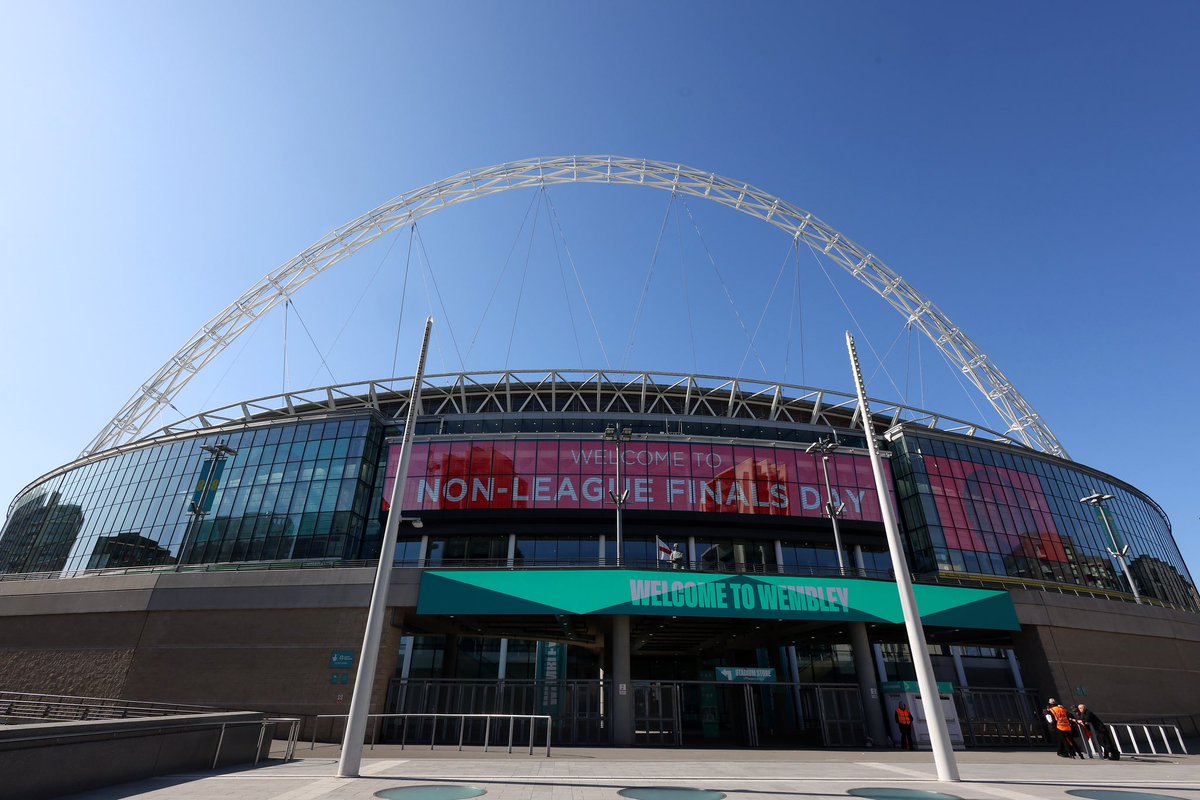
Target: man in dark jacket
column 1096, row 725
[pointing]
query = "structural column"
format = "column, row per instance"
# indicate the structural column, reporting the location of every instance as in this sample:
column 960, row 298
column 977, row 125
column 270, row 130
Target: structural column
column 959, row 670
column 622, row 697
column 1015, row 667
column 868, row 687
column 794, row 671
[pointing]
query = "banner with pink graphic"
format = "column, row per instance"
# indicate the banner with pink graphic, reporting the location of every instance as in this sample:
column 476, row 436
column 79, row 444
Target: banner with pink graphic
column 659, row 475
column 993, row 509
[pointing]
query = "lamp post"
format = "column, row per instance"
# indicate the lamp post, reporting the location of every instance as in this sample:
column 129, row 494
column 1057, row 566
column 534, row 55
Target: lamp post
column 860, row 641
column 939, row 733
column 1119, row 553
column 825, row 447
column 619, row 494
column 210, row 477
column 364, row 680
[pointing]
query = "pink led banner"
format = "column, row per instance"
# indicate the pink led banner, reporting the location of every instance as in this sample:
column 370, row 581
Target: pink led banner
column 660, row 475
column 993, row 509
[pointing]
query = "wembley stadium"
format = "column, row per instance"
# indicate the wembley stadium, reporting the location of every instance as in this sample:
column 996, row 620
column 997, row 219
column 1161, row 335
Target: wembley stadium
column 647, row 558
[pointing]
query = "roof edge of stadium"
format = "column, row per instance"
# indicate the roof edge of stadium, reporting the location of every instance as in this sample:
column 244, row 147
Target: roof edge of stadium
column 603, row 391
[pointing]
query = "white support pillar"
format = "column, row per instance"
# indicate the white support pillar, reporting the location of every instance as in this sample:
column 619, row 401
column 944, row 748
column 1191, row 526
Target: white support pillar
column 512, row 551
column 600, row 552
column 1015, row 667
column 691, row 552
column 794, row 669
column 880, row 663
column 778, row 556
column 502, row 668
column 408, row 643
column 956, row 654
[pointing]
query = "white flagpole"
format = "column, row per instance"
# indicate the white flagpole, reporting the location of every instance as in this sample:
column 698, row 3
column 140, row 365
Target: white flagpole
column 931, row 701
column 364, row 680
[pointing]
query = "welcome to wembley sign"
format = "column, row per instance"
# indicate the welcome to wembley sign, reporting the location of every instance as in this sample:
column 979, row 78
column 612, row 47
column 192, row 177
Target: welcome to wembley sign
column 674, row 593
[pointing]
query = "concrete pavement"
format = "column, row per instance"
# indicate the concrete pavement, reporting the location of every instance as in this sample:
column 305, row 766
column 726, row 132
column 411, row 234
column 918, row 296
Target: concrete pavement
column 599, row 773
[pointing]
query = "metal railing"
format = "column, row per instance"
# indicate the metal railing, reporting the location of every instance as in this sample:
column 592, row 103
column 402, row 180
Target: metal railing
column 1132, row 728
column 289, row 751
column 1188, row 724
column 183, row 726
column 999, row 717
column 467, row 563
column 62, row 708
column 462, row 718
column 1032, row 584
column 1093, row 742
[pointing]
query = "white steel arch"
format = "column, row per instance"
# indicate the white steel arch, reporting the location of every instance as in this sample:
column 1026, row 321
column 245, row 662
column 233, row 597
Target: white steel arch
column 159, row 390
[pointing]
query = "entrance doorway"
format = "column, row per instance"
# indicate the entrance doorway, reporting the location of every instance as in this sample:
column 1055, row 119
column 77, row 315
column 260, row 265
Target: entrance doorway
column 656, row 714
column 773, row 714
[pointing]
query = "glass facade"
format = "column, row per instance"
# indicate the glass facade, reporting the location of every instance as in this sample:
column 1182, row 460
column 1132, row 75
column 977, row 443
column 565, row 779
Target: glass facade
column 971, row 508
column 316, row 489
column 289, row 491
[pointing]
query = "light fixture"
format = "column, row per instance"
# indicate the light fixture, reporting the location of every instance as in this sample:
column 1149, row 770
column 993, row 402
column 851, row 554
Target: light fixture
column 1097, row 499
column 825, row 447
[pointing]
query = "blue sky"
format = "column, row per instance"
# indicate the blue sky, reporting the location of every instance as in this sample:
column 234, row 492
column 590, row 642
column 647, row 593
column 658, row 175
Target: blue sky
column 1029, row 166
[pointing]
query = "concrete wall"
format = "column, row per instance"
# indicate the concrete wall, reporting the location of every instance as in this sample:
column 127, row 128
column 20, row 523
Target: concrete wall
column 261, row 640
column 1132, row 661
column 257, row 640
column 53, row 759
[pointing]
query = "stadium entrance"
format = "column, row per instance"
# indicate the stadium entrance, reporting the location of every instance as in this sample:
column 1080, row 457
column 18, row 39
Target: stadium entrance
column 762, row 714
column 632, row 657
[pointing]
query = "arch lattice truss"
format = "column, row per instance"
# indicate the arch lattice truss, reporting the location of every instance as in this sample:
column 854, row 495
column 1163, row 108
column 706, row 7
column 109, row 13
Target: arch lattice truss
column 156, row 394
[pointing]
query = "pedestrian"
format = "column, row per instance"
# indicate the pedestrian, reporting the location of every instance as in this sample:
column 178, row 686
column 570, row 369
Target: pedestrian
column 904, row 719
column 1095, row 725
column 1062, row 725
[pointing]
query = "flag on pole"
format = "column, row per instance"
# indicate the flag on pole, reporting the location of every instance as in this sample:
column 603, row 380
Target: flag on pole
column 664, row 550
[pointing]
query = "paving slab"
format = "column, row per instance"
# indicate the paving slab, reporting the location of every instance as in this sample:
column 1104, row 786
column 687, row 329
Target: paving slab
column 600, row 773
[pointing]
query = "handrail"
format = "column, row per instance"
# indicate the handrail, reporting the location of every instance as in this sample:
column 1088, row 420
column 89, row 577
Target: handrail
column 32, row 705
column 289, row 749
column 1146, row 728
column 1010, row 582
column 1085, row 731
column 487, row 730
column 462, row 564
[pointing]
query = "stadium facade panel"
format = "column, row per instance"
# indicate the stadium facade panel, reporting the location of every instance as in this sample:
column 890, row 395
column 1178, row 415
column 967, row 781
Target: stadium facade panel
column 726, row 495
column 313, row 486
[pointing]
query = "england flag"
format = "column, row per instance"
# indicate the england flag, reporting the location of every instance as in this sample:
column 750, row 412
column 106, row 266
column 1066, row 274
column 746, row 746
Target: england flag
column 664, row 550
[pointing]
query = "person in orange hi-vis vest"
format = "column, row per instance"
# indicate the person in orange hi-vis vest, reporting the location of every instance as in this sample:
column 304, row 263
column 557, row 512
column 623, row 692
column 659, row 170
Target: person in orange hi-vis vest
column 1062, row 724
column 904, row 719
